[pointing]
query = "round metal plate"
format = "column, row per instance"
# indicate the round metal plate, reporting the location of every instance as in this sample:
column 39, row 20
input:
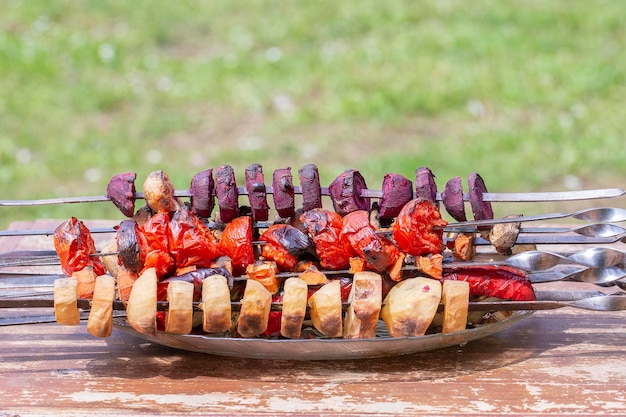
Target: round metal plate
column 321, row 349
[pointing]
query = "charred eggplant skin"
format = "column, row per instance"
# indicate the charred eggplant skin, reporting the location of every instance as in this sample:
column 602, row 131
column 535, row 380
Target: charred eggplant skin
column 481, row 209
column 202, row 191
column 310, row 186
column 256, row 192
column 397, row 191
column 121, row 191
column 425, row 185
column 452, row 197
column 128, row 246
column 345, row 192
column 227, row 193
column 284, row 200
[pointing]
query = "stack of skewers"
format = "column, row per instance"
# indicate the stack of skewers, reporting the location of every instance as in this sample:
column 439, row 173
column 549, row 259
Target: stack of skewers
column 182, row 264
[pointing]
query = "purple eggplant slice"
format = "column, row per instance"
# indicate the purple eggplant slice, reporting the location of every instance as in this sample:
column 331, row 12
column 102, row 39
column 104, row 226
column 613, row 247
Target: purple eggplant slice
column 452, row 197
column 311, row 189
column 284, row 200
column 397, row 191
column 425, row 185
column 482, row 210
column 121, row 191
column 255, row 184
column 345, row 192
column 128, row 246
column 202, row 191
column 227, row 193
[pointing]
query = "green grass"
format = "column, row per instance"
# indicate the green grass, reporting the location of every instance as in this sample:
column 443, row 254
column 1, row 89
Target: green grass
column 528, row 93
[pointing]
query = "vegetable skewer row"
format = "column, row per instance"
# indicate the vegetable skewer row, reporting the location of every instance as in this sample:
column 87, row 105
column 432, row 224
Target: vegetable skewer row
column 348, row 192
column 158, row 253
column 345, row 192
column 356, row 318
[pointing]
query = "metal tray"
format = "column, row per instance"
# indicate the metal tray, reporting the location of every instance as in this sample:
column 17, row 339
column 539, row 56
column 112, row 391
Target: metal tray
column 321, row 349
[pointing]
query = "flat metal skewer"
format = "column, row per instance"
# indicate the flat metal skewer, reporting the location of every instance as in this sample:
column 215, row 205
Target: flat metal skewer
column 491, row 197
column 599, row 302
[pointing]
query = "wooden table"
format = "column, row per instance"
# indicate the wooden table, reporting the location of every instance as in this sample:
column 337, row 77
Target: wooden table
column 561, row 362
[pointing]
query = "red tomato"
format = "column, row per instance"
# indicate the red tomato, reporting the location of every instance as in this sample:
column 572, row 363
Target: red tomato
column 236, row 243
column 418, row 229
column 191, row 241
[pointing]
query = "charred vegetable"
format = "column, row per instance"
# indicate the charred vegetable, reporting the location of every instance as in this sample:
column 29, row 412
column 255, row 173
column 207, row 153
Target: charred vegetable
column 202, row 191
column 345, row 192
column 256, row 192
column 284, row 200
column 397, row 191
column 121, row 191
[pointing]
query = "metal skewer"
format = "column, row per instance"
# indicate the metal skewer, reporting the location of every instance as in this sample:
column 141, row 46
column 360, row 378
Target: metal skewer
column 600, row 215
column 603, row 231
column 600, row 302
column 542, row 260
column 491, row 197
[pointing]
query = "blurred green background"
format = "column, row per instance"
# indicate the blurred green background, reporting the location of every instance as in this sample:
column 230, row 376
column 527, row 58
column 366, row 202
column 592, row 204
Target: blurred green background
column 528, row 93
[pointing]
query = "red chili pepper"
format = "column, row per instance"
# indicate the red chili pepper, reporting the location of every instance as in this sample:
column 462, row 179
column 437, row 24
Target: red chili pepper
column 273, row 324
column 74, row 245
column 160, row 321
column 494, row 281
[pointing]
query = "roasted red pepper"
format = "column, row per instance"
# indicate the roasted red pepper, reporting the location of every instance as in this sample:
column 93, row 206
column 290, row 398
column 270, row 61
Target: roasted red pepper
column 191, row 241
column 418, row 229
column 74, row 245
column 494, row 281
column 286, row 245
column 362, row 238
column 154, row 245
column 324, row 227
column 236, row 243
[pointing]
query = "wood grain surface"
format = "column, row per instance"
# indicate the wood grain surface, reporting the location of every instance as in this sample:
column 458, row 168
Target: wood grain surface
column 562, row 362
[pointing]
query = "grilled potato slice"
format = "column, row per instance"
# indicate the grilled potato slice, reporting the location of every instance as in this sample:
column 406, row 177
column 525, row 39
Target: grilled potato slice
column 142, row 303
column 410, row 306
column 325, row 309
column 180, row 312
column 455, row 298
column 365, row 304
column 100, row 321
column 216, row 309
column 65, row 301
column 255, row 309
column 294, row 307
